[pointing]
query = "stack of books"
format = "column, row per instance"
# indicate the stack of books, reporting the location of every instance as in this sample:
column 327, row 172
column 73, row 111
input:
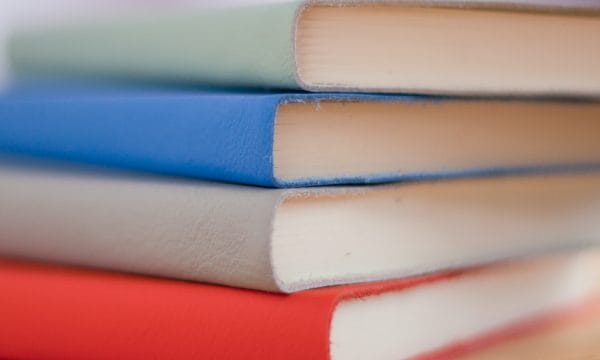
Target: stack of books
column 300, row 180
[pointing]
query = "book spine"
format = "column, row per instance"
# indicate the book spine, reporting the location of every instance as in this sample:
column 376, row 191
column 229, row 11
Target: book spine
column 245, row 46
column 113, row 315
column 225, row 138
column 172, row 228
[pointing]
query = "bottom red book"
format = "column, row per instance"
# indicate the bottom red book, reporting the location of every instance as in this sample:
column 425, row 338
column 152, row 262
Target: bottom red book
column 59, row 312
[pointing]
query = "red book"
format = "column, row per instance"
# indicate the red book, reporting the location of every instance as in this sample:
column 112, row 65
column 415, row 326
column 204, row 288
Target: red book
column 59, row 312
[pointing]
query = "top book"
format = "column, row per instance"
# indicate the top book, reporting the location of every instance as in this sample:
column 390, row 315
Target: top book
column 526, row 47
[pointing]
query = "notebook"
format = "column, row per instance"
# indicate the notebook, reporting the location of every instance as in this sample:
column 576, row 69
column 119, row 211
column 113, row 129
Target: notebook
column 288, row 240
column 111, row 315
column 459, row 47
column 284, row 139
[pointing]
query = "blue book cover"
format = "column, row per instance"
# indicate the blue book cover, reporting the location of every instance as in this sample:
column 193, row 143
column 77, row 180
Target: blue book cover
column 291, row 139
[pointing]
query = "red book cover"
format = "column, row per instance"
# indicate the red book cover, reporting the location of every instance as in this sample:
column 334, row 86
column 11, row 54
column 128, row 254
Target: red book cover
column 56, row 312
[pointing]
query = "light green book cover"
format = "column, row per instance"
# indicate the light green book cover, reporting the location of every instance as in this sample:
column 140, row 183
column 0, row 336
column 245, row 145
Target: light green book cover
column 247, row 46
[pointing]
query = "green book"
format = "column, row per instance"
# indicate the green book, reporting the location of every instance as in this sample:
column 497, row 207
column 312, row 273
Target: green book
column 478, row 47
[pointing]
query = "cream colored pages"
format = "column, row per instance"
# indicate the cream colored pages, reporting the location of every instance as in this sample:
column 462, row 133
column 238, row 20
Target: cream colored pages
column 445, row 49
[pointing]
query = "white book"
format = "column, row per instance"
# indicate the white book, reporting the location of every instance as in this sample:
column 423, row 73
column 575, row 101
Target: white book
column 285, row 240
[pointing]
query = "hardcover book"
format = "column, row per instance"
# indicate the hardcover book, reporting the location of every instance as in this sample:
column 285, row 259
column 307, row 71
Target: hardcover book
column 288, row 240
column 466, row 47
column 110, row 315
column 297, row 139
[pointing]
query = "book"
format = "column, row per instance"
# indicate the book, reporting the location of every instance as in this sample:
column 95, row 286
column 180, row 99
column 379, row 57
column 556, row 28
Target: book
column 297, row 139
column 113, row 315
column 459, row 47
column 288, row 240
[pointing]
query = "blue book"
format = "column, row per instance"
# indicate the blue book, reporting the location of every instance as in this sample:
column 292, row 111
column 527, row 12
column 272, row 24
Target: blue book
column 290, row 139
